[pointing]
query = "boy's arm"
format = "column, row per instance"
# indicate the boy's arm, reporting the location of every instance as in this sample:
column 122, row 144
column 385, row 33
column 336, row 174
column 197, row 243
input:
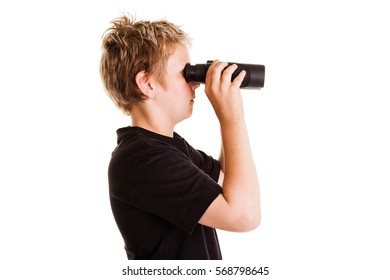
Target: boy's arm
column 238, row 207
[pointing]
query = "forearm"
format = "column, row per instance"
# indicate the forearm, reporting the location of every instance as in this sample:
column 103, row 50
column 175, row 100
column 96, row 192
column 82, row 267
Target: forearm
column 240, row 185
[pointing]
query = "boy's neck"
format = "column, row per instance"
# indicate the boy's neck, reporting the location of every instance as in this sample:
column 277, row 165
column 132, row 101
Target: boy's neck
column 153, row 125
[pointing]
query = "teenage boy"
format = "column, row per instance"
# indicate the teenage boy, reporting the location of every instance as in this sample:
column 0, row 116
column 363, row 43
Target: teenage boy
column 167, row 197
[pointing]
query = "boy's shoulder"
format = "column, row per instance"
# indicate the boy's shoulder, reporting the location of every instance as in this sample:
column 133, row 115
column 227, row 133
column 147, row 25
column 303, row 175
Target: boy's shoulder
column 137, row 140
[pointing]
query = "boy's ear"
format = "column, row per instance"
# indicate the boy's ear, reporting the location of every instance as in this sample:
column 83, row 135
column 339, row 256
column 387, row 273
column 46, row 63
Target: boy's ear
column 143, row 82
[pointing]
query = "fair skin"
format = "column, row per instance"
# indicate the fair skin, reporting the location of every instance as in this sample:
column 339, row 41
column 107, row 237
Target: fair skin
column 169, row 105
column 238, row 207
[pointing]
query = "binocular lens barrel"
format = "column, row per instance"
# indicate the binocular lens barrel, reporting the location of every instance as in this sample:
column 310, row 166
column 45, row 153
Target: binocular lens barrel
column 254, row 78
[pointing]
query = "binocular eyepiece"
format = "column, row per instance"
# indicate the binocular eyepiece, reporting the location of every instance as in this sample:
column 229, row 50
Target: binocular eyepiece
column 254, row 78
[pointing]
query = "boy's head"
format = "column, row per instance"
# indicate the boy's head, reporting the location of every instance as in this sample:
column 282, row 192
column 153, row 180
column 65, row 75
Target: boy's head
column 131, row 46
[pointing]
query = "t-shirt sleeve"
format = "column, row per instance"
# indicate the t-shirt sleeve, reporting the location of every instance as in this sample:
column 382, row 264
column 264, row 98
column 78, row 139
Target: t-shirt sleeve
column 168, row 184
column 205, row 162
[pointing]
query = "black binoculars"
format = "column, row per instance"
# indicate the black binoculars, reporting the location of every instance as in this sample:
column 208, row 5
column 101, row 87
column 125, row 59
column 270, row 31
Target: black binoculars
column 254, row 78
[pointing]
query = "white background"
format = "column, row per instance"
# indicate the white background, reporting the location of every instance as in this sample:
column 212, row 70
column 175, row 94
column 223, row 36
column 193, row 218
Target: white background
column 319, row 132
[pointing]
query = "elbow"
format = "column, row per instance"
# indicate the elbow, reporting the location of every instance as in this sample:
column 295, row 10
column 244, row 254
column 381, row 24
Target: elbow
column 248, row 222
column 253, row 223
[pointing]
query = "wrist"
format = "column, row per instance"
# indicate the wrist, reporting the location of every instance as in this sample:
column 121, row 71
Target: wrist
column 234, row 120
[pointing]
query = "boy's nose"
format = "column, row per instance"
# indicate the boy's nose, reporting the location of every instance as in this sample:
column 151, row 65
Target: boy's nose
column 194, row 85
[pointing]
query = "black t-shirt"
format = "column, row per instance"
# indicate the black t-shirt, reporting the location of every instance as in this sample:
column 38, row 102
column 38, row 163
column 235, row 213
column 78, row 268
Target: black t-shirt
column 159, row 189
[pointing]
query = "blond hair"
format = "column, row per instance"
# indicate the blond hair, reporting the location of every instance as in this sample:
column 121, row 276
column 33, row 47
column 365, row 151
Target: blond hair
column 130, row 46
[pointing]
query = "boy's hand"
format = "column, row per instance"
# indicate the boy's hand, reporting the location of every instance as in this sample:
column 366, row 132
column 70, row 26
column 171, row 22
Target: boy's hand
column 224, row 94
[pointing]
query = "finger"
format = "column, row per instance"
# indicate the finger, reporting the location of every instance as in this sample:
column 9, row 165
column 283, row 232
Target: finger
column 213, row 65
column 240, row 77
column 218, row 69
column 228, row 72
column 219, row 66
column 215, row 70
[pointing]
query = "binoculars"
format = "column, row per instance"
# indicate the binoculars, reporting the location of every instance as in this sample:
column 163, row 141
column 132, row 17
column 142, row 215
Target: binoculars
column 254, row 78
